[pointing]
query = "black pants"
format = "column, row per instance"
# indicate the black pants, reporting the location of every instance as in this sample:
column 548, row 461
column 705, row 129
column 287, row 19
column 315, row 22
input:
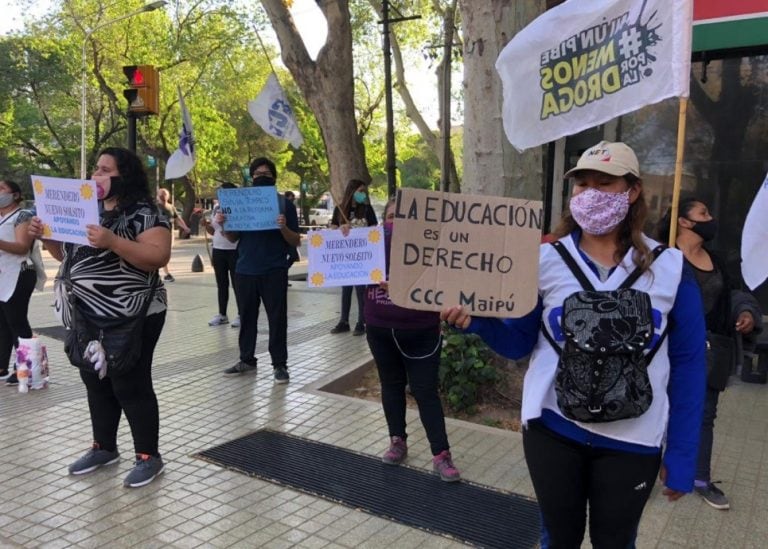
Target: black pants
column 131, row 393
column 13, row 316
column 704, row 460
column 224, row 268
column 272, row 289
column 409, row 357
column 346, row 303
column 568, row 476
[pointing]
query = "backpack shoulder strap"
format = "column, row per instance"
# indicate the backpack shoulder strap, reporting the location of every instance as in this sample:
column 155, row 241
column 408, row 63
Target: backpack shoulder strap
column 551, row 340
column 572, row 265
column 634, row 275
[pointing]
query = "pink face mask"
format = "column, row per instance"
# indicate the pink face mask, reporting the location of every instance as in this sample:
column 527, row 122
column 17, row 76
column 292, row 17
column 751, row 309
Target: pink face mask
column 599, row 212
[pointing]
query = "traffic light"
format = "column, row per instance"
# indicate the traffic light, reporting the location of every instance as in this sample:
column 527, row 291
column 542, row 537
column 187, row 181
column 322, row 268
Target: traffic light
column 144, row 93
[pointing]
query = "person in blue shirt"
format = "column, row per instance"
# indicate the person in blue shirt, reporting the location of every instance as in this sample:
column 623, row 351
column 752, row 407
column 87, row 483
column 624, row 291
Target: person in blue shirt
column 262, row 276
column 606, row 467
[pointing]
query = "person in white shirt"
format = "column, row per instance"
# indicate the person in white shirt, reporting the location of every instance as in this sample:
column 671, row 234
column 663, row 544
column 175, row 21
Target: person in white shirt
column 224, row 258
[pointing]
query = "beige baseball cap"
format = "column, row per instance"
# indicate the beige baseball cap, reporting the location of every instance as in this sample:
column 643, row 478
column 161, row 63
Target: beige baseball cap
column 606, row 157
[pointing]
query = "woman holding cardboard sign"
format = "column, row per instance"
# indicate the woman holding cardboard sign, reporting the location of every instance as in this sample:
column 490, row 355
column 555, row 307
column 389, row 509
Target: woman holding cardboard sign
column 406, row 346
column 617, row 360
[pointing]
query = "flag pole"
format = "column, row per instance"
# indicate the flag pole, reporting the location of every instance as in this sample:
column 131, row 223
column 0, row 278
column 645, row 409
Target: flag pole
column 683, row 109
column 264, row 51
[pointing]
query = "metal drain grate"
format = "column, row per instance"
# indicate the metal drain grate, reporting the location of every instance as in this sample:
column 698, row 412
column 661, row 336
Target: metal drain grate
column 474, row 514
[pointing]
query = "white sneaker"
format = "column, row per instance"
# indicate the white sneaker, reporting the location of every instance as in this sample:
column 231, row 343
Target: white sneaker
column 236, row 322
column 218, row 320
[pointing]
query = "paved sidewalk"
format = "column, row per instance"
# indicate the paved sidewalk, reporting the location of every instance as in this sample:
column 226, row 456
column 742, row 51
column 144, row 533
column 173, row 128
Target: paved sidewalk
column 197, row 504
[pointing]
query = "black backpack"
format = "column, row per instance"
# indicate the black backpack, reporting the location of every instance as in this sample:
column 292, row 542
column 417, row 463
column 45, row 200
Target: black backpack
column 602, row 374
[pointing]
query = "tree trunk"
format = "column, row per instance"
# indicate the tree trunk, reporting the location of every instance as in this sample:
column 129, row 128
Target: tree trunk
column 491, row 165
column 327, row 85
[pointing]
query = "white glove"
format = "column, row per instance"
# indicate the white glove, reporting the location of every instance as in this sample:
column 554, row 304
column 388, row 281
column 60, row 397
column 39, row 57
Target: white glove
column 95, row 353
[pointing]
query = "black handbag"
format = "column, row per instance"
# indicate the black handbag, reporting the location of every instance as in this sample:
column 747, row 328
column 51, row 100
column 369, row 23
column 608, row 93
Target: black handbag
column 120, row 337
column 721, row 356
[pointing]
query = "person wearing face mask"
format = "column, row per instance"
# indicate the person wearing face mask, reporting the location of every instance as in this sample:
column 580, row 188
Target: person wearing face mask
column 113, row 277
column 406, row 346
column 604, row 454
column 261, row 275
column 728, row 310
column 17, row 275
column 354, row 211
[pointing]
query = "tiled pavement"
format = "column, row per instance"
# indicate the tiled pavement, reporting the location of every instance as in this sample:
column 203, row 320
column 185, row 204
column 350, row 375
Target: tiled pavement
column 197, row 504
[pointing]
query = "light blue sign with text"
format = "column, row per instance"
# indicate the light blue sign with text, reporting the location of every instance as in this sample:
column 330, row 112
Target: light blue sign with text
column 249, row 208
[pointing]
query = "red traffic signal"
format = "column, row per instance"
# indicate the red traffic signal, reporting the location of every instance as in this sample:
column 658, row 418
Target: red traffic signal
column 144, row 93
column 134, row 74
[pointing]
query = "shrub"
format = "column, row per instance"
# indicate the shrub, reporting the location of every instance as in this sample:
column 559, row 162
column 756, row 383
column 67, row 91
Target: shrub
column 466, row 365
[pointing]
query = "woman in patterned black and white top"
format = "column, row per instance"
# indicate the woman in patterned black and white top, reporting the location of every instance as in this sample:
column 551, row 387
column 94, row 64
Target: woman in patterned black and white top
column 113, row 277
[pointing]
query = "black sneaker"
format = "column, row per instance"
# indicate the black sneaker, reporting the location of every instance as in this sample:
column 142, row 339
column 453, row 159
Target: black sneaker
column 240, row 368
column 281, row 376
column 359, row 330
column 714, row 496
column 340, row 328
column 169, row 278
column 12, row 380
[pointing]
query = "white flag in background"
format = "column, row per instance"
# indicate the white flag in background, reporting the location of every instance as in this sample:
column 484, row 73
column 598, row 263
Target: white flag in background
column 754, row 260
column 183, row 159
column 273, row 113
column 581, row 64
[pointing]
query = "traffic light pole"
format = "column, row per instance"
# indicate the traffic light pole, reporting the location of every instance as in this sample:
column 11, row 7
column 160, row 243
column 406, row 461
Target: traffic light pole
column 390, row 136
column 131, row 145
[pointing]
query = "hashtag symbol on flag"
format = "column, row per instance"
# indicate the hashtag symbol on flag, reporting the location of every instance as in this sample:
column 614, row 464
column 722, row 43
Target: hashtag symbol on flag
column 630, row 43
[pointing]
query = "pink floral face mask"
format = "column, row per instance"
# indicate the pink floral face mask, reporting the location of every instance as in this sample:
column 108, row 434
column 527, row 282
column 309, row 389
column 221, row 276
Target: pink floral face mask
column 599, row 212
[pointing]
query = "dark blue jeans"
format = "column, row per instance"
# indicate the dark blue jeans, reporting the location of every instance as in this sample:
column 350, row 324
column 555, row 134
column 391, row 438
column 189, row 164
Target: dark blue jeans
column 346, row 303
column 704, row 461
column 272, row 290
column 410, row 357
column 224, row 267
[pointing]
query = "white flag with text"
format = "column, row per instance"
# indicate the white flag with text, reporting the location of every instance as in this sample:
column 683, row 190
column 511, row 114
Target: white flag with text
column 581, row 64
column 183, row 159
column 273, row 113
column 754, row 235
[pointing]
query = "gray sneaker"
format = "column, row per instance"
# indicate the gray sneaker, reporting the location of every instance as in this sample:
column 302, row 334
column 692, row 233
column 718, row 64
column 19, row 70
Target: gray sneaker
column 92, row 460
column 240, row 368
column 714, row 496
column 147, row 469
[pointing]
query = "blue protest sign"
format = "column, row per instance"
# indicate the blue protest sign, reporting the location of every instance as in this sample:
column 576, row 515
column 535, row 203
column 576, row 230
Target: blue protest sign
column 249, row 208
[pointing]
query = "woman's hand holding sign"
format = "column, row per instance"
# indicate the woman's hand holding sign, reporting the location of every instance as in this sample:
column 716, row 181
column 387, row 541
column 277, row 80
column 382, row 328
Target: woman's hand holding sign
column 456, row 316
column 100, row 237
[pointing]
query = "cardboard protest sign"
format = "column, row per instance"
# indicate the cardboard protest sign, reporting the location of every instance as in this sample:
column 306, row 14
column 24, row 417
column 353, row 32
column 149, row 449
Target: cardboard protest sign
column 352, row 260
column 249, row 208
column 453, row 249
column 66, row 207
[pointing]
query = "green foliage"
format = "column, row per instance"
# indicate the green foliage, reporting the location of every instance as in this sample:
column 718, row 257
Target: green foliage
column 465, row 367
